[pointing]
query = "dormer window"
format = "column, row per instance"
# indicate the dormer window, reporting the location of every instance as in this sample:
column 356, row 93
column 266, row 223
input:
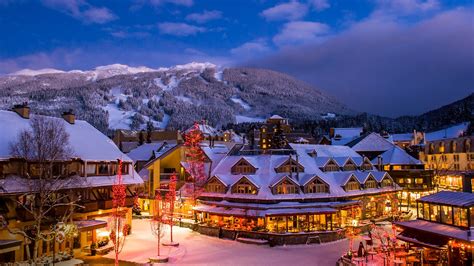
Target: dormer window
column 352, row 184
column 366, row 166
column 286, row 187
column 331, row 166
column 349, row 166
column 290, row 166
column 243, row 167
column 214, row 185
column 453, row 146
column 316, row 186
column 387, row 182
column 441, row 147
column 370, row 183
column 244, row 186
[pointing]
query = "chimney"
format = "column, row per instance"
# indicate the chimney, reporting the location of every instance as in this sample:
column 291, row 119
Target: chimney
column 70, row 117
column 331, row 132
column 22, row 110
column 379, row 162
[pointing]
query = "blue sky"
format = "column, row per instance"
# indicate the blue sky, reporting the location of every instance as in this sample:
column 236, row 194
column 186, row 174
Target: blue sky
column 357, row 50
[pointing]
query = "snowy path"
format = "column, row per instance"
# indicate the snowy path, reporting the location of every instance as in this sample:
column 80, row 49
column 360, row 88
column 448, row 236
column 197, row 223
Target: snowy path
column 197, row 249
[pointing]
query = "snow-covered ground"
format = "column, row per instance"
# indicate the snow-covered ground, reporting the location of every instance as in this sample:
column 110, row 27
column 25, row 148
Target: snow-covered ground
column 242, row 103
column 248, row 119
column 197, row 249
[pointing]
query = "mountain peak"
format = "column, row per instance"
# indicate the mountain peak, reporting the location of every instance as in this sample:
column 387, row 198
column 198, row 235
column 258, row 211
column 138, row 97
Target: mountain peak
column 35, row 72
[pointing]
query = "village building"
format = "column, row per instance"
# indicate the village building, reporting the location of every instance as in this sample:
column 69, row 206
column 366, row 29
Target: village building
column 407, row 171
column 306, row 188
column 87, row 177
column 342, row 136
column 444, row 228
column 452, row 160
column 128, row 140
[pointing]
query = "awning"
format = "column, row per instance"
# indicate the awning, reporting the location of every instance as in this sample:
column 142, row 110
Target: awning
column 9, row 245
column 437, row 229
column 423, row 240
column 88, row 225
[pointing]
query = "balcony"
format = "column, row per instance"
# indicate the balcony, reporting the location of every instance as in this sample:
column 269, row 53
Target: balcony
column 129, row 201
column 166, row 177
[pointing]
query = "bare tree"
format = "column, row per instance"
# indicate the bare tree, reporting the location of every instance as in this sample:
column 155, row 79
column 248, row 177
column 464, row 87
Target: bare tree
column 48, row 198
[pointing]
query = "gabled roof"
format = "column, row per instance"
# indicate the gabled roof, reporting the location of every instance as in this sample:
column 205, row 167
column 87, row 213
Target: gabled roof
column 162, row 155
column 284, row 162
column 87, row 143
column 311, row 178
column 219, row 179
column 348, row 132
column 247, row 177
column 146, row 151
column 279, row 178
column 397, row 156
column 276, row 117
column 372, row 143
column 245, row 160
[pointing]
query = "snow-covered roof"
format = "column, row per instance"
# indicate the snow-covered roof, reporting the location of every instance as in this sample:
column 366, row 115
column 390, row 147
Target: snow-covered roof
column 146, row 151
column 372, row 142
column 87, row 143
column 447, row 133
column 397, row 156
column 276, row 117
column 266, row 177
column 205, row 129
column 350, row 132
column 402, row 137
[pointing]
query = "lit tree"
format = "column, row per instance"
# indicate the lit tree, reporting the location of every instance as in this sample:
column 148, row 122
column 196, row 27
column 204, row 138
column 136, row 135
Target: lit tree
column 195, row 158
column 117, row 222
column 49, row 200
column 157, row 228
column 170, row 200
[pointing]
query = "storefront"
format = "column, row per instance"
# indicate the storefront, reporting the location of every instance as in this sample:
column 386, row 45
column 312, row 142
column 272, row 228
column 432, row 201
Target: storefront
column 443, row 227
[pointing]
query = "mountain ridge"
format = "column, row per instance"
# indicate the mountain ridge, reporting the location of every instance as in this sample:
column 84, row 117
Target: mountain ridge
column 118, row 96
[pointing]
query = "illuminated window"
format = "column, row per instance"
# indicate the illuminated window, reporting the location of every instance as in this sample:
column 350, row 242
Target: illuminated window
column 371, row 183
column 317, row 186
column 286, row 187
column 387, row 182
column 418, row 181
column 290, row 166
column 244, row 187
column 215, row 186
column 352, row 185
column 441, row 147
column 331, row 166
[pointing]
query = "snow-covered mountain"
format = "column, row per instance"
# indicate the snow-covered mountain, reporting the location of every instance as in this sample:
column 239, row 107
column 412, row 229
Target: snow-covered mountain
column 120, row 96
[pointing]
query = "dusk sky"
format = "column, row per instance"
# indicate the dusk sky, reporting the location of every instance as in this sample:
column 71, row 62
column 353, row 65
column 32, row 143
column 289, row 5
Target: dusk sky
column 385, row 57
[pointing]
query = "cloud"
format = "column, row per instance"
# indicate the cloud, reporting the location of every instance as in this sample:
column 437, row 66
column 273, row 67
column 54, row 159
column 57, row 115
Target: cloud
column 407, row 6
column 186, row 3
column 179, row 29
column 300, row 32
column 287, row 11
column 251, row 49
column 386, row 66
column 319, row 5
column 81, row 10
column 204, row 16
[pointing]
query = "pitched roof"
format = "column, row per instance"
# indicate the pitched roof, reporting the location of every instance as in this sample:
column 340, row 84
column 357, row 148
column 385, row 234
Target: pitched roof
column 461, row 199
column 348, row 132
column 88, row 143
column 372, row 142
column 397, row 156
column 402, row 137
column 146, row 151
